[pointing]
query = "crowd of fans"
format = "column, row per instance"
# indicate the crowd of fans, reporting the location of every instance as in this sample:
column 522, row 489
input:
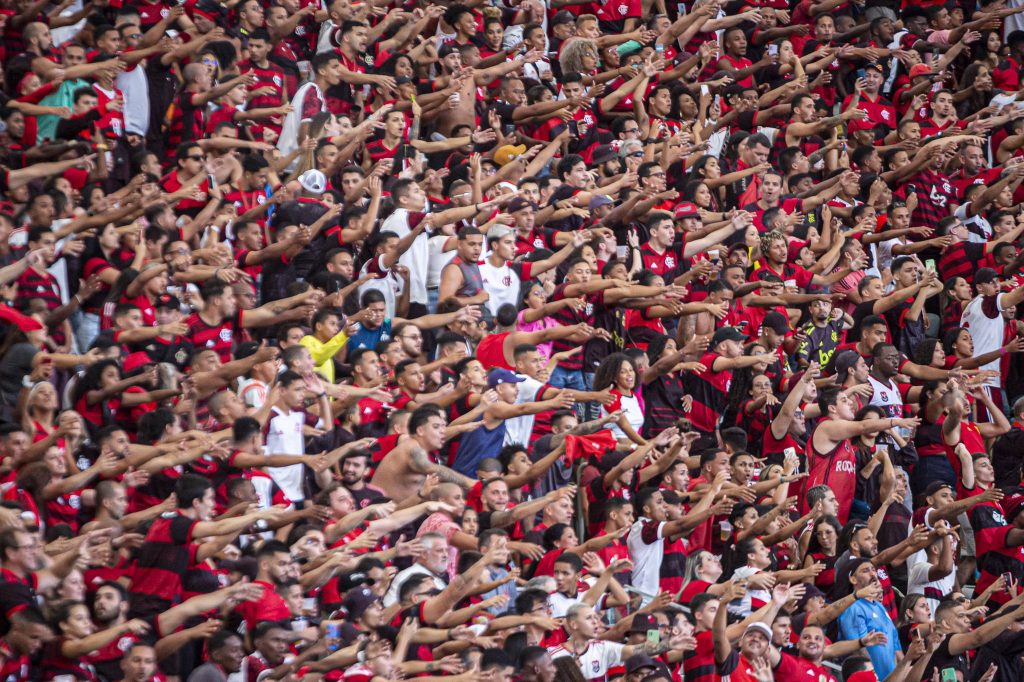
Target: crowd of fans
column 512, row 340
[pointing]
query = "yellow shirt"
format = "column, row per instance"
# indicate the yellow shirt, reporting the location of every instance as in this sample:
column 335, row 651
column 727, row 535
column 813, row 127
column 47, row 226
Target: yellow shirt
column 323, row 352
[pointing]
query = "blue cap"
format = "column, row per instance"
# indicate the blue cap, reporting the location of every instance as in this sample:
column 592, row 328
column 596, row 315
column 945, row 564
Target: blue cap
column 503, row 376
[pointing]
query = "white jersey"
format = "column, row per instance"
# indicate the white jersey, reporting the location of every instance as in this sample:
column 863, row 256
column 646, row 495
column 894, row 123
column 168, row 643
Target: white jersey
column 596, row 661
column 135, row 87
column 934, row 591
column 517, row 429
column 983, row 319
column 647, row 550
column 886, row 397
column 501, row 283
column 288, row 140
column 417, row 258
column 284, row 437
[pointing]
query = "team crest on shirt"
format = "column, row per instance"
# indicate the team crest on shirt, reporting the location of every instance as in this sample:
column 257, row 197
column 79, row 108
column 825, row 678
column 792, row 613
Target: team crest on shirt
column 368, row 59
column 946, row 187
column 885, row 114
column 589, row 309
column 539, row 243
column 181, row 356
column 225, row 335
column 164, row 12
column 596, row 666
column 277, row 80
column 506, row 280
column 75, row 502
column 670, row 262
column 125, row 643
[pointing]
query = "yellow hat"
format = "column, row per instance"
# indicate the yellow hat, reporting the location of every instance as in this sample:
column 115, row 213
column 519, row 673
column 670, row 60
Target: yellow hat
column 508, row 153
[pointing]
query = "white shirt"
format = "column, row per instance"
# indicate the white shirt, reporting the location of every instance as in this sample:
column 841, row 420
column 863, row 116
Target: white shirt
column 417, row 258
column 288, row 140
column 646, row 557
column 438, row 259
column 933, row 591
column 501, row 283
column 630, row 406
column 390, row 286
column 284, row 437
column 986, row 331
column 596, row 661
column 517, row 430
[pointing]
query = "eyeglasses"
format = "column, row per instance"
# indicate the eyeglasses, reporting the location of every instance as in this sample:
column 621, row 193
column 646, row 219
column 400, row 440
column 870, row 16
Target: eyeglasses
column 197, row 157
column 657, row 175
column 416, row 337
column 638, row 155
column 134, row 36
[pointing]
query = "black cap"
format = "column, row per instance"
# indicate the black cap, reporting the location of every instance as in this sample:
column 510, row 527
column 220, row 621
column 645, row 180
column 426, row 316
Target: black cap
column 167, row 301
column 519, row 203
column 563, row 16
column 877, row 66
column 776, row 321
column 936, row 486
column 727, row 334
column 605, row 153
column 985, row 276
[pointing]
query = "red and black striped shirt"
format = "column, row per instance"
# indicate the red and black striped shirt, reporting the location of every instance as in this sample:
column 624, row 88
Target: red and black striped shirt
column 708, row 390
column 220, row 338
column 161, row 562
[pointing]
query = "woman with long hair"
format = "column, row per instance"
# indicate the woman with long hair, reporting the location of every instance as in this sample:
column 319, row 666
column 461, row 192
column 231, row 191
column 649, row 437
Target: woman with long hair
column 702, row 573
column 618, row 373
column 823, row 548
column 959, row 347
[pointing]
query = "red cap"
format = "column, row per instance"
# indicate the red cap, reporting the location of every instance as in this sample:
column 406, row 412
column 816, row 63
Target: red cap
column 135, row 361
column 920, row 70
column 687, row 209
column 24, row 322
column 863, row 676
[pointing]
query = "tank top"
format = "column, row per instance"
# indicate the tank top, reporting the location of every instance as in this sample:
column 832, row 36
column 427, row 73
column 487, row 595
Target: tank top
column 838, row 470
column 472, row 282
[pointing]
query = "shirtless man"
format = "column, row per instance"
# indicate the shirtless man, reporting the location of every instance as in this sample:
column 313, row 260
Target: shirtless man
column 402, row 471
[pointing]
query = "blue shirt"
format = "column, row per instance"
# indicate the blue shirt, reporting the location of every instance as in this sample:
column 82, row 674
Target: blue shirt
column 866, row 616
column 369, row 338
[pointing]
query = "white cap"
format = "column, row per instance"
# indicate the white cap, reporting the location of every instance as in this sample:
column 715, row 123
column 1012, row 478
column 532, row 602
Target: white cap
column 313, row 181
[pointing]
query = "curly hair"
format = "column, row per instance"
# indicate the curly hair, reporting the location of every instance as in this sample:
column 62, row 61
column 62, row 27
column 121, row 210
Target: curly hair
column 573, row 51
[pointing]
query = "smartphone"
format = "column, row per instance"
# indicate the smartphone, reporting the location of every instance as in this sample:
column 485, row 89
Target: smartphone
column 1007, row 580
column 574, row 128
column 703, row 90
column 717, row 101
column 333, row 636
column 659, row 48
column 654, row 636
column 621, row 252
column 773, row 50
column 930, row 264
column 861, row 73
column 948, row 675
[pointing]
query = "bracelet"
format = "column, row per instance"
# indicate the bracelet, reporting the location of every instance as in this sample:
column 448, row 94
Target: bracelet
column 860, row 641
column 79, row 299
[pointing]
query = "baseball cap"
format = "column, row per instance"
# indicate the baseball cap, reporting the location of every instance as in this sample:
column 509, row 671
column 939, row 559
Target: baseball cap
column 810, row 593
column 919, row 70
column 509, row 152
column 605, row 153
column 599, row 200
column 167, row 301
column 877, row 66
column 726, row 334
column 348, row 581
column 985, row 276
column 136, row 360
column 313, row 181
column 687, row 209
column 776, row 321
column 499, row 231
column 936, row 486
column 503, row 376
column 759, row 627
column 519, row 203
column 639, row 662
column 357, row 600
column 863, row 676
column 563, row 17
